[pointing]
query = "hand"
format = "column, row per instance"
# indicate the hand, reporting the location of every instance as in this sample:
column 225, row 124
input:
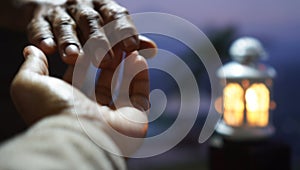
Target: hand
column 67, row 24
column 37, row 95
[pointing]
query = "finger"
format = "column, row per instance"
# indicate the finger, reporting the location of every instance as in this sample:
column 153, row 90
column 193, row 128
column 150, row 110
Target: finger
column 25, row 86
column 67, row 77
column 139, row 86
column 89, row 23
column 81, row 70
column 139, row 91
column 147, row 47
column 134, row 90
column 40, row 34
column 103, row 87
column 122, row 27
column 64, row 29
column 35, row 62
column 88, row 20
column 104, row 84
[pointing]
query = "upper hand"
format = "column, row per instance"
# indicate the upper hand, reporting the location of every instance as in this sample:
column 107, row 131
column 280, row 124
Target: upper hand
column 65, row 25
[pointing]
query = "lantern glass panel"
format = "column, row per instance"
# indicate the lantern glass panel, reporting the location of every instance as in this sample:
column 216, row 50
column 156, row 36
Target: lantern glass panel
column 257, row 105
column 233, row 95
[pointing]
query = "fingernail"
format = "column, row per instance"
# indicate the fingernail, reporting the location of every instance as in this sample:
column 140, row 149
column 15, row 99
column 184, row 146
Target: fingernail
column 72, row 50
column 130, row 44
column 48, row 42
column 28, row 51
column 48, row 45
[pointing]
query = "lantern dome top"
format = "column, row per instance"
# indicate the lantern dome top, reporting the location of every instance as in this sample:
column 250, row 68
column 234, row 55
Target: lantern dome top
column 247, row 50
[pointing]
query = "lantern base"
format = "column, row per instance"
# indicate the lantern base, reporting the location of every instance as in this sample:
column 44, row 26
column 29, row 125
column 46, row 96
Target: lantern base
column 244, row 132
column 269, row 154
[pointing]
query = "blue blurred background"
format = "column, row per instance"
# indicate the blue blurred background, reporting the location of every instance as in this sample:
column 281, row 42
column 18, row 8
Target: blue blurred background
column 275, row 23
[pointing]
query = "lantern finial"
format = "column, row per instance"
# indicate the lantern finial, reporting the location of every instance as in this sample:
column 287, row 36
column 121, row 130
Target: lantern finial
column 247, row 50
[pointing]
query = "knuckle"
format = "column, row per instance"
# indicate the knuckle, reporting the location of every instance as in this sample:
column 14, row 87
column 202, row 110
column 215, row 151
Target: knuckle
column 83, row 12
column 64, row 20
column 87, row 19
column 66, row 40
column 64, row 27
column 100, row 38
column 115, row 7
column 88, row 14
column 38, row 29
column 112, row 11
column 59, row 17
column 125, row 27
column 65, row 37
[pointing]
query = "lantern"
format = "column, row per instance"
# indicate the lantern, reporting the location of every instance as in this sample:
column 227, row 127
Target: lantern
column 246, row 94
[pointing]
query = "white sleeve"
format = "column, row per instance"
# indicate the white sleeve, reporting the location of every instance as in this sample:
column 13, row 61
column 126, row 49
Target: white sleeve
column 59, row 143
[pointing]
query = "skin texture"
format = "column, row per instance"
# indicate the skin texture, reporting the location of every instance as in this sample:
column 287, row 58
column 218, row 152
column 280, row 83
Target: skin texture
column 64, row 26
column 67, row 24
column 37, row 95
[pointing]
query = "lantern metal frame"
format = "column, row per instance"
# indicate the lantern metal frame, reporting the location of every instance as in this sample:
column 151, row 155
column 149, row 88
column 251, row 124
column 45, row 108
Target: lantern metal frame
column 236, row 72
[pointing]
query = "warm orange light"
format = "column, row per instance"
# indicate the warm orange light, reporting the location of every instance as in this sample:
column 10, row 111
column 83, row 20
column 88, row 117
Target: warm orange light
column 245, row 84
column 233, row 95
column 219, row 104
column 272, row 105
column 257, row 104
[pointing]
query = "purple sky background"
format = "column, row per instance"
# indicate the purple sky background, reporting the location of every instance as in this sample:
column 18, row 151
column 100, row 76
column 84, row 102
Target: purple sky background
column 277, row 22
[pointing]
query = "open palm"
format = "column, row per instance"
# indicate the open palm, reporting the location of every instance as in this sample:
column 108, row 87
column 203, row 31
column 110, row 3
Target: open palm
column 38, row 95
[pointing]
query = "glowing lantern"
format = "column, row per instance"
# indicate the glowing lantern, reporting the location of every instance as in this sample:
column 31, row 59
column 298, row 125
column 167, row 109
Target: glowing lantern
column 246, row 96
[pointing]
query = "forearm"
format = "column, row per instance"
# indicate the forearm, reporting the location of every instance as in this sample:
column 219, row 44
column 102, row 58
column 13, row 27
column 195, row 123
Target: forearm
column 60, row 143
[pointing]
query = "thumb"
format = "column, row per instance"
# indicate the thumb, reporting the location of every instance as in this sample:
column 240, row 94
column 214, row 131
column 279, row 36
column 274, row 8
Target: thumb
column 35, row 62
column 26, row 86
